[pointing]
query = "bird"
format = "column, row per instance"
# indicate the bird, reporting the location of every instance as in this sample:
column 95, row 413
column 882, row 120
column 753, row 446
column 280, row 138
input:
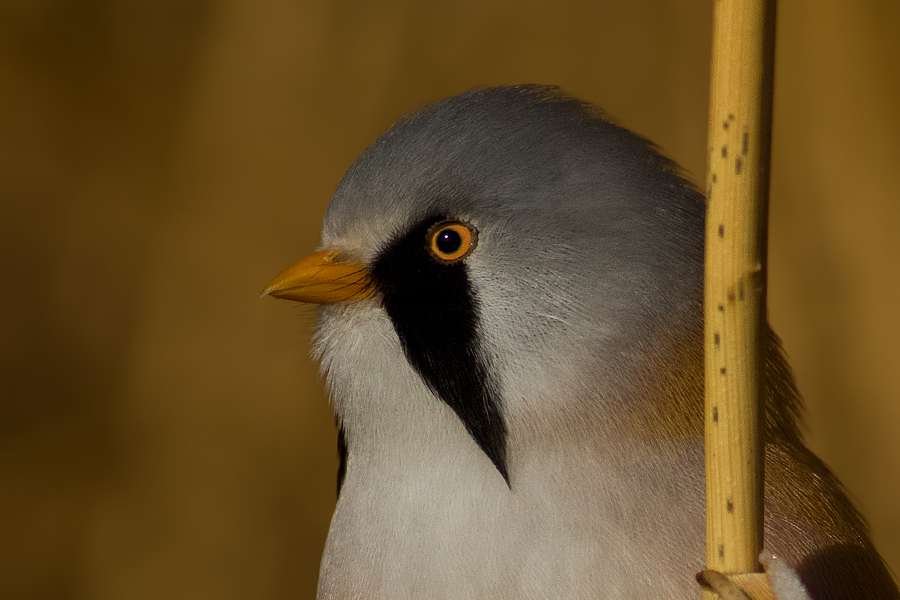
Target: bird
column 511, row 335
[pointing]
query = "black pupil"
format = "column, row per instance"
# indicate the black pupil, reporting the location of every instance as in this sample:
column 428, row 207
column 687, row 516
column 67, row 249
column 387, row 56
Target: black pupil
column 448, row 241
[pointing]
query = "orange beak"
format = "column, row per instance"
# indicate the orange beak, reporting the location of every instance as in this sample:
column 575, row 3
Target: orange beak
column 322, row 278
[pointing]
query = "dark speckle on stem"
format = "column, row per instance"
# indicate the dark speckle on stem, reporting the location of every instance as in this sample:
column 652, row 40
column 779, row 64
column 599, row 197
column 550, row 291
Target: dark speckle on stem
column 722, row 370
column 738, row 165
column 725, row 125
column 745, row 144
column 741, row 289
column 724, row 151
column 729, row 505
column 715, row 414
column 721, row 308
column 716, row 339
column 713, row 177
column 721, row 230
column 721, row 551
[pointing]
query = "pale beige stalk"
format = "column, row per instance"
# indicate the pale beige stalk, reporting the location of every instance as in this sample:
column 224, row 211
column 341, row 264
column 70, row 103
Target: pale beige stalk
column 735, row 294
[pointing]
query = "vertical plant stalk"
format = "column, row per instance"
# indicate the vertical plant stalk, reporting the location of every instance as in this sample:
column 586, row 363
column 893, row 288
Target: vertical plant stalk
column 735, row 281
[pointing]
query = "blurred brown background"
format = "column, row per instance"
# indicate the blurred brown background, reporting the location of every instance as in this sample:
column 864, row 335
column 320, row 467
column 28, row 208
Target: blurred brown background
column 163, row 431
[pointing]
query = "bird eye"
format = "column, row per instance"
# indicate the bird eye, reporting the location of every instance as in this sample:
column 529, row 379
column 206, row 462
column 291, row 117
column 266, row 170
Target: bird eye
column 451, row 240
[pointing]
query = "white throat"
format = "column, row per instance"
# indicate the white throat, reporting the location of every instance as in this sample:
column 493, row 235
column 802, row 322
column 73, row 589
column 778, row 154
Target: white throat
column 423, row 512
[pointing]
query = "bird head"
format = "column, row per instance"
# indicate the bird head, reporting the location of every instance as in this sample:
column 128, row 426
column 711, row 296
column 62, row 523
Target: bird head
column 508, row 254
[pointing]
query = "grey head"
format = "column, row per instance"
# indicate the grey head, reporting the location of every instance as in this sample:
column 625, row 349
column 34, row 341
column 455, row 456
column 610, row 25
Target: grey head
column 588, row 244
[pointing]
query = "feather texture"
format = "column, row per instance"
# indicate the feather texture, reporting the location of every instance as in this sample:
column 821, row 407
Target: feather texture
column 576, row 327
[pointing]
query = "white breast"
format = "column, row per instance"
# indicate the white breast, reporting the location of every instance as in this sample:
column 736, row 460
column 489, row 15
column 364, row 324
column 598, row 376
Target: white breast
column 423, row 512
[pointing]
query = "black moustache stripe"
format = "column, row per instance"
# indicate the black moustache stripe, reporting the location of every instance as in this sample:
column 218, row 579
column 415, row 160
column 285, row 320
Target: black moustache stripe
column 435, row 313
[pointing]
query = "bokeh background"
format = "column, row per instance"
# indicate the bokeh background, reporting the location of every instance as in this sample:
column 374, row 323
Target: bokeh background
column 163, row 431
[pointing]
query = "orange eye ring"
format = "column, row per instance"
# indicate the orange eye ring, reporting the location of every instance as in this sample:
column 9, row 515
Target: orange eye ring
column 450, row 241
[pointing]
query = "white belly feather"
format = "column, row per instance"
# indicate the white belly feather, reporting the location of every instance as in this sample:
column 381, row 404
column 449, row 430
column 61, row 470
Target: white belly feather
column 423, row 512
